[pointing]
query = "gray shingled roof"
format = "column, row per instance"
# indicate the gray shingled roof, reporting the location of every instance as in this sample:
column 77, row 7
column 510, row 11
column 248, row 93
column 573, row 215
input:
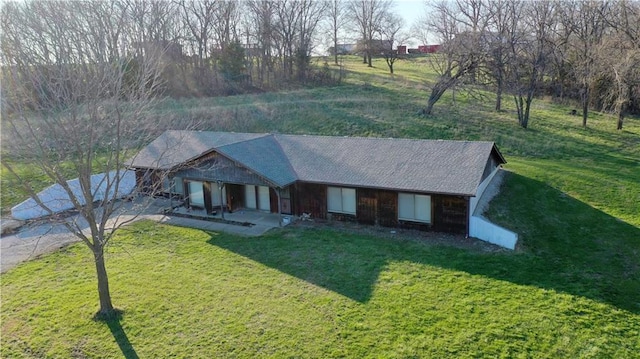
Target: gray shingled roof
column 433, row 166
column 264, row 156
column 453, row 167
column 174, row 148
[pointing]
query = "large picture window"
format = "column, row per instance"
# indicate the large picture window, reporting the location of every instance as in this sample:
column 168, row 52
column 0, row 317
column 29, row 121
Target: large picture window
column 341, row 200
column 414, row 207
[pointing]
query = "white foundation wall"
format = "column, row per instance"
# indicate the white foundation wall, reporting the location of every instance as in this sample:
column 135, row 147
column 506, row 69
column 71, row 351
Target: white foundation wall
column 483, row 229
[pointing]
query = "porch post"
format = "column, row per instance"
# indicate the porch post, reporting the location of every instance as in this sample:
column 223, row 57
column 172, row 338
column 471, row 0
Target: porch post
column 220, row 186
column 172, row 186
column 278, row 194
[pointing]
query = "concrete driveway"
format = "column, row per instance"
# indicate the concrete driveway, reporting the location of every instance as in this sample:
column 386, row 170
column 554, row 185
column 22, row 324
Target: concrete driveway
column 35, row 239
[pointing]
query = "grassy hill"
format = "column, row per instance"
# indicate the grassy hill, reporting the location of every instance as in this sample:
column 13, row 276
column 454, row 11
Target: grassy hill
column 570, row 290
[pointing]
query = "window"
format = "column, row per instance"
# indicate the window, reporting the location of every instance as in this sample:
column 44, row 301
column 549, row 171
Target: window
column 196, row 194
column 414, row 207
column 172, row 184
column 341, row 200
column 178, row 185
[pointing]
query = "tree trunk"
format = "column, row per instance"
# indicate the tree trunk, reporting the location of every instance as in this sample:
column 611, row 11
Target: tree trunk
column 620, row 120
column 519, row 108
column 443, row 84
column 499, row 86
column 335, row 42
column 106, row 308
column 369, row 59
column 436, row 93
column 585, row 105
column 527, row 108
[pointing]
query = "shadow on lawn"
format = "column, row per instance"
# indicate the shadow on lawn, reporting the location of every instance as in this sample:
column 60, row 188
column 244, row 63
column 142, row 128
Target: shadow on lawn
column 120, row 336
column 570, row 247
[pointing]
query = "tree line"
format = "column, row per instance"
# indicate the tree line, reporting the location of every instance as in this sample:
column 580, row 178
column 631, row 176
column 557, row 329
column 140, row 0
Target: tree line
column 584, row 51
column 587, row 51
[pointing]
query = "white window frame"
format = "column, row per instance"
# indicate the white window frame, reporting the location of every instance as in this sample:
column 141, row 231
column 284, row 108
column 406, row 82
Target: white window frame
column 347, row 202
column 418, row 210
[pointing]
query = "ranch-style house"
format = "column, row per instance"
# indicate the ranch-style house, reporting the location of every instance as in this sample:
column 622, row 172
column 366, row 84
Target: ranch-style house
column 399, row 183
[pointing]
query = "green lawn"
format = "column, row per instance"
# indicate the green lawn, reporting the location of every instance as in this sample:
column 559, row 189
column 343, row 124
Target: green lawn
column 319, row 294
column 571, row 290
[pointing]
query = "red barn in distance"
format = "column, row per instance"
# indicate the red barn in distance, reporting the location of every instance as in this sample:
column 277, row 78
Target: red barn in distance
column 402, row 49
column 428, row 49
column 424, row 49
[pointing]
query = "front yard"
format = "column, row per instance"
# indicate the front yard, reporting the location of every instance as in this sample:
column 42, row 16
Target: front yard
column 305, row 292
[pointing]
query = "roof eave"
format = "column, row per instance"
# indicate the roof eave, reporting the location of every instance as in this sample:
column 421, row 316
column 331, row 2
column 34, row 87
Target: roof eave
column 395, row 189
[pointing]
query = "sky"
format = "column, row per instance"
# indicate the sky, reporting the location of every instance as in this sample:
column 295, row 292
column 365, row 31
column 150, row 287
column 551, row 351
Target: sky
column 410, row 11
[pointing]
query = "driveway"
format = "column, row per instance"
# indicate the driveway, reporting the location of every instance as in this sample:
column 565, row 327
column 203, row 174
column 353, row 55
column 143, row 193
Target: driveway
column 35, row 239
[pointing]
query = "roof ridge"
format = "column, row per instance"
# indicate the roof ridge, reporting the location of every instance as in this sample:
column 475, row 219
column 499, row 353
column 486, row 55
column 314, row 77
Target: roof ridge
column 405, row 139
column 277, row 140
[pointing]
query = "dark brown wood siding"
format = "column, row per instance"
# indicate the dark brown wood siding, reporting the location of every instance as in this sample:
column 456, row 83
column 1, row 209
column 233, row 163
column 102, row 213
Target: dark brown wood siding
column 387, row 208
column 273, row 200
column 149, row 181
column 207, row 188
column 235, row 196
column 377, row 207
column 450, row 213
column 367, row 206
column 380, row 207
column 310, row 198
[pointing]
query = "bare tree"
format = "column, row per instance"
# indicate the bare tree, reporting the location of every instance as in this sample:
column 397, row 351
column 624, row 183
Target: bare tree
column 312, row 13
column 287, row 15
column 529, row 54
column 260, row 33
column 560, row 71
column 198, row 18
column 367, row 16
column 225, row 26
column 620, row 57
column 70, row 113
column 336, row 15
column 390, row 32
column 460, row 30
column 152, row 20
column 588, row 25
column 503, row 26
column 625, row 84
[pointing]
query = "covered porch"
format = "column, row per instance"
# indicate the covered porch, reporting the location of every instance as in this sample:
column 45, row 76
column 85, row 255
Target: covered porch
column 240, row 218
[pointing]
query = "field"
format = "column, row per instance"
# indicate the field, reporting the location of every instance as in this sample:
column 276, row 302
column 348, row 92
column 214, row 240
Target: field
column 571, row 289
